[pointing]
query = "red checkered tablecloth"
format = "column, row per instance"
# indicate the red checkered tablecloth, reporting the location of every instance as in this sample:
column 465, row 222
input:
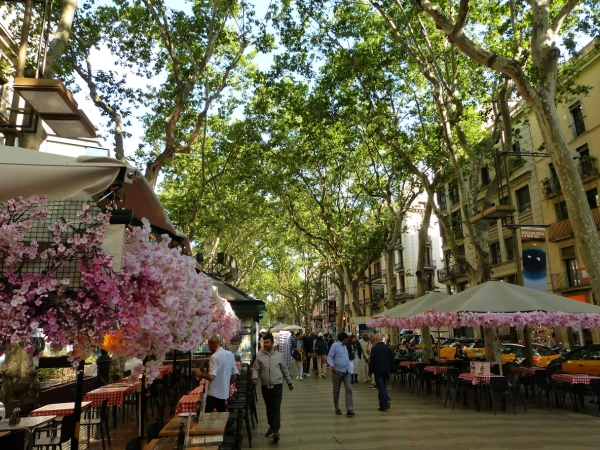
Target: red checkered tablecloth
column 198, row 391
column 115, row 395
column 573, row 378
column 58, row 409
column 165, row 369
column 188, row 403
column 408, row 364
column 476, row 379
column 438, row 370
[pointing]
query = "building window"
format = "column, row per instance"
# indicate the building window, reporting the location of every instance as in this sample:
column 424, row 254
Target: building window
column 592, row 198
column 454, row 194
column 510, row 248
column 485, row 176
column 495, row 253
column 523, row 199
column 577, row 116
column 442, row 201
column 456, row 223
column 516, row 148
column 561, row 211
column 571, row 266
column 586, row 163
column 448, row 260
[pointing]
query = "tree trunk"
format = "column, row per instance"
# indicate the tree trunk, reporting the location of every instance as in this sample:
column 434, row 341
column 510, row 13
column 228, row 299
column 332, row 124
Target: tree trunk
column 339, row 324
column 584, row 227
column 19, row 381
column 492, row 345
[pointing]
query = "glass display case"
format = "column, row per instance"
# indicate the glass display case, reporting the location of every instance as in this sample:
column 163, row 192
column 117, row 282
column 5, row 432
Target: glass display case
column 241, row 345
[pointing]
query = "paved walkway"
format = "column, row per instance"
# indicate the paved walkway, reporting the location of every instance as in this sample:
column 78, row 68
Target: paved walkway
column 309, row 422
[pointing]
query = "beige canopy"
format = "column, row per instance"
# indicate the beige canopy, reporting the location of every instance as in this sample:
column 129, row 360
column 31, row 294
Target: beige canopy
column 26, row 172
column 496, row 296
column 416, row 306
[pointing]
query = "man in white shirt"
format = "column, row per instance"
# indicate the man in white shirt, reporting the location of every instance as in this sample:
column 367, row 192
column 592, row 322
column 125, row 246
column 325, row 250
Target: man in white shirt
column 221, row 375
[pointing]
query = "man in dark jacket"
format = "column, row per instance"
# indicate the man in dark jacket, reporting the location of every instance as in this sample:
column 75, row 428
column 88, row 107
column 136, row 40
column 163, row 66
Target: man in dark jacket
column 381, row 363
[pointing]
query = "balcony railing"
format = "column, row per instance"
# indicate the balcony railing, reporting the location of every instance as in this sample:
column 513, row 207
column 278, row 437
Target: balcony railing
column 405, row 293
column 333, row 294
column 563, row 228
column 399, row 266
column 383, row 272
column 429, row 264
column 450, row 272
column 569, row 280
column 376, row 275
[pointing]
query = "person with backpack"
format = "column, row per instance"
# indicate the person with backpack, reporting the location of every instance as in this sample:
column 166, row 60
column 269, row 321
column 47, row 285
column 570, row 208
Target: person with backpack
column 320, row 349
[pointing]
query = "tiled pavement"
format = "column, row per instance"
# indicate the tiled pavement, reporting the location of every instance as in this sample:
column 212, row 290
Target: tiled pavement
column 309, row 422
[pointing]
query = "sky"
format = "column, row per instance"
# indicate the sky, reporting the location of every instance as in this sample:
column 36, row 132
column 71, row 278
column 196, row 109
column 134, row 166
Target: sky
column 103, row 58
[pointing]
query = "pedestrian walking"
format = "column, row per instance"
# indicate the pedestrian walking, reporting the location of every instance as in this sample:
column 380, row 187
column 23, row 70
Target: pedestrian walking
column 382, row 362
column 270, row 367
column 357, row 353
column 320, row 350
column 308, row 345
column 298, row 355
column 221, row 375
column 341, row 372
column 363, row 367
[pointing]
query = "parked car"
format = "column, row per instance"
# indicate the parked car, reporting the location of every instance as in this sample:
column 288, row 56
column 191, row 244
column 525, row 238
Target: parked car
column 542, row 355
column 471, row 349
column 449, row 346
column 584, row 359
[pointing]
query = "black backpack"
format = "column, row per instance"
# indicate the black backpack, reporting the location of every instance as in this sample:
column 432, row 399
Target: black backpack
column 320, row 348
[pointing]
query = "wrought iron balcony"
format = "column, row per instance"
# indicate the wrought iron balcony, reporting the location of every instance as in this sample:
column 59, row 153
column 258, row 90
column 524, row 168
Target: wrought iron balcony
column 450, row 272
column 399, row 266
column 376, row 275
column 405, row 293
column 429, row 264
column 569, row 280
column 563, row 228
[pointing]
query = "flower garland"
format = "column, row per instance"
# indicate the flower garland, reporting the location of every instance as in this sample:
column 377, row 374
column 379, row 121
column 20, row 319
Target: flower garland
column 489, row 319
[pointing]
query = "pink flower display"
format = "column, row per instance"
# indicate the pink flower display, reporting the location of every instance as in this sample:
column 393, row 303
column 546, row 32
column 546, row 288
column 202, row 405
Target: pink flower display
column 489, row 319
column 157, row 302
column 33, row 296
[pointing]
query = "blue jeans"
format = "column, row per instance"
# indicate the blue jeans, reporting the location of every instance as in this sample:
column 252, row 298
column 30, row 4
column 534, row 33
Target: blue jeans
column 381, row 383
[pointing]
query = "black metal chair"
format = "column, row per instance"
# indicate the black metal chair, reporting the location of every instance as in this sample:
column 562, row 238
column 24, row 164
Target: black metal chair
column 67, row 427
column 515, row 386
column 461, row 386
column 593, row 389
column 499, row 385
column 546, row 384
column 26, row 408
column 134, row 444
column 152, row 431
column 101, row 421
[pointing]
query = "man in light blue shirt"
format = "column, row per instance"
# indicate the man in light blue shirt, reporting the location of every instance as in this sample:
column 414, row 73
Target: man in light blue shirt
column 341, row 372
column 222, row 374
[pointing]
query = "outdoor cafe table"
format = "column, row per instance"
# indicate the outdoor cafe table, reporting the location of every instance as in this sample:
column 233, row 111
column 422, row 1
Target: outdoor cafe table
column 575, row 380
column 114, row 393
column 26, row 423
column 408, row 364
column 188, row 403
column 58, row 409
column 479, row 380
column 211, row 423
column 168, row 444
column 438, row 370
